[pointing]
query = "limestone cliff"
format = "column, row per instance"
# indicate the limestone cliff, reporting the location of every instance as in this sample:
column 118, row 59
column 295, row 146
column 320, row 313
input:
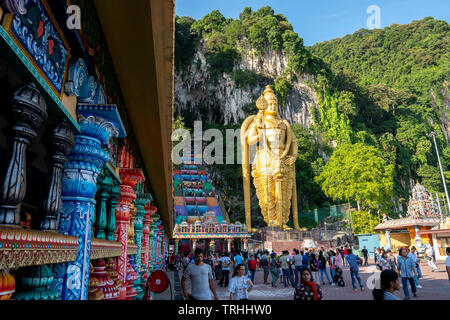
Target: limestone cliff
column 198, row 97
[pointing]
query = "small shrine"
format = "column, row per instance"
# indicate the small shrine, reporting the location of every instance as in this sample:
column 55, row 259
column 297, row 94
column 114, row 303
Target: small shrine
column 422, row 214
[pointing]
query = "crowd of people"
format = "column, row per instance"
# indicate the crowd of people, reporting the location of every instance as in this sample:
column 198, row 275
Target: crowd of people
column 306, row 271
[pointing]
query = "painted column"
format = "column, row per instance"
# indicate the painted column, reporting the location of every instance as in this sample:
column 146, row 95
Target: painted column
column 145, row 236
column 30, row 111
column 129, row 177
column 194, row 244
column 388, row 238
column 105, row 185
column 418, row 238
column 98, row 124
column 229, row 245
column 111, row 226
column 63, row 141
column 141, row 200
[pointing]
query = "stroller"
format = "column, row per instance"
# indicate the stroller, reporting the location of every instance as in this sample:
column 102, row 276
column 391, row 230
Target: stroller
column 338, row 278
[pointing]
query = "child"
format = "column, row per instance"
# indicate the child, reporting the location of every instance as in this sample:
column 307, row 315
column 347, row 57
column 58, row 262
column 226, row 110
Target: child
column 338, row 278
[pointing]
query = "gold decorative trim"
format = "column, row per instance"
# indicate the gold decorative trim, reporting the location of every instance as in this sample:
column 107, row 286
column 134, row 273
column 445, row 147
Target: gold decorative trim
column 132, row 249
column 101, row 249
column 21, row 248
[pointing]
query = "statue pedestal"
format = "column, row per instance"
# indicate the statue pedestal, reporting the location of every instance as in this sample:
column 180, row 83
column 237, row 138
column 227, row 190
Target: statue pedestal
column 276, row 239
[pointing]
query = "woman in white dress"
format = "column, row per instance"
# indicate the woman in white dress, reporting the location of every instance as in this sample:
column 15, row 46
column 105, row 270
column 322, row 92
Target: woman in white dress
column 240, row 285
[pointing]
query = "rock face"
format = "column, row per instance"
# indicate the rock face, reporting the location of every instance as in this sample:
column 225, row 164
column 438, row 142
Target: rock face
column 198, row 97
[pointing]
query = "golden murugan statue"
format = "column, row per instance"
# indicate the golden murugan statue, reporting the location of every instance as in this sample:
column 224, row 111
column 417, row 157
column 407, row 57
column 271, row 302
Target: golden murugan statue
column 273, row 168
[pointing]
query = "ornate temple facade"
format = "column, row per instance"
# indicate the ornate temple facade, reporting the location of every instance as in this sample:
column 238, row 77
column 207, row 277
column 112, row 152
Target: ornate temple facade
column 85, row 125
column 200, row 220
column 423, row 214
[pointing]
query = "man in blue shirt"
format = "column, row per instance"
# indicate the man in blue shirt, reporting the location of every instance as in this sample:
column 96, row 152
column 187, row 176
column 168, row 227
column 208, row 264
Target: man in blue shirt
column 237, row 259
column 352, row 261
column 406, row 268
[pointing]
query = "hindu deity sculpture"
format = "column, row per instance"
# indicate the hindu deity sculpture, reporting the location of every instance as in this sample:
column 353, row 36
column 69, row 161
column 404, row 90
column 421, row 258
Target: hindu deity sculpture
column 273, row 167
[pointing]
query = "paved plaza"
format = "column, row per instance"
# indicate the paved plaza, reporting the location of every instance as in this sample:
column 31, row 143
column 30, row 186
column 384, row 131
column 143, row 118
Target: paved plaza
column 435, row 287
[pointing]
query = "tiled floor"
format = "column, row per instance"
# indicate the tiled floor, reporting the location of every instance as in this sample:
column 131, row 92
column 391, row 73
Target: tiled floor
column 435, row 287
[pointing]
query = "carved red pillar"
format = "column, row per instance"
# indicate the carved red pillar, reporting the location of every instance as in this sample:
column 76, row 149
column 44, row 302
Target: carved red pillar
column 145, row 242
column 129, row 177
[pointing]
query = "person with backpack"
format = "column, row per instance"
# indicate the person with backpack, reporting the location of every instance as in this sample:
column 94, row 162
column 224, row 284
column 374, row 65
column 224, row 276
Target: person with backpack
column 307, row 290
column 274, row 269
column 297, row 265
column 252, row 267
column 323, row 268
column 365, row 253
column 226, row 262
column 354, row 270
column 264, row 262
column 285, row 261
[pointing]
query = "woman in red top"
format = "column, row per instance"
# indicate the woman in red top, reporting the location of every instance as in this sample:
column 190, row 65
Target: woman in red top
column 252, row 264
column 307, row 290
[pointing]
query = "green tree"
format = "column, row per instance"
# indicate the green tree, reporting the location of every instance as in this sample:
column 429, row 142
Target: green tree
column 365, row 222
column 282, row 89
column 356, row 172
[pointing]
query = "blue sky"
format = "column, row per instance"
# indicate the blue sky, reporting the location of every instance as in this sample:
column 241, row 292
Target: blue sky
column 322, row 20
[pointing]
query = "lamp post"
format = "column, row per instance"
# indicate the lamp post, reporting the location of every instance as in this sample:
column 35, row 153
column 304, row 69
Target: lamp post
column 433, row 135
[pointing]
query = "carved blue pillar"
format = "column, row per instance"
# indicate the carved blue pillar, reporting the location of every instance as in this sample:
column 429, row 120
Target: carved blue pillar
column 140, row 202
column 98, row 124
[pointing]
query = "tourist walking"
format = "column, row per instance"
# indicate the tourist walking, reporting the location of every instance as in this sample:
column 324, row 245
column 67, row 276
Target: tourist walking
column 313, row 265
column 217, row 267
column 389, row 283
column 307, row 290
column 285, row 262
column 274, row 269
column 333, row 266
column 414, row 255
column 264, row 262
column 365, row 253
column 185, row 261
column 392, row 260
column 431, row 258
column 201, row 277
column 298, row 263
column 237, row 259
column 323, row 268
column 384, row 262
column 352, row 261
column 305, row 263
column 252, row 267
column 225, row 278
column 240, row 285
column 407, row 270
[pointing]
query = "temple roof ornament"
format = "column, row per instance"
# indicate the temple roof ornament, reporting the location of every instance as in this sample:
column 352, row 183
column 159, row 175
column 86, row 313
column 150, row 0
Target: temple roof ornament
column 422, row 211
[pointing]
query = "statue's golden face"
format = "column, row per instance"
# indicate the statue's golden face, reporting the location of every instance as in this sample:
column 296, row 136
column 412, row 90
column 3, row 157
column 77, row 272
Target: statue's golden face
column 272, row 108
